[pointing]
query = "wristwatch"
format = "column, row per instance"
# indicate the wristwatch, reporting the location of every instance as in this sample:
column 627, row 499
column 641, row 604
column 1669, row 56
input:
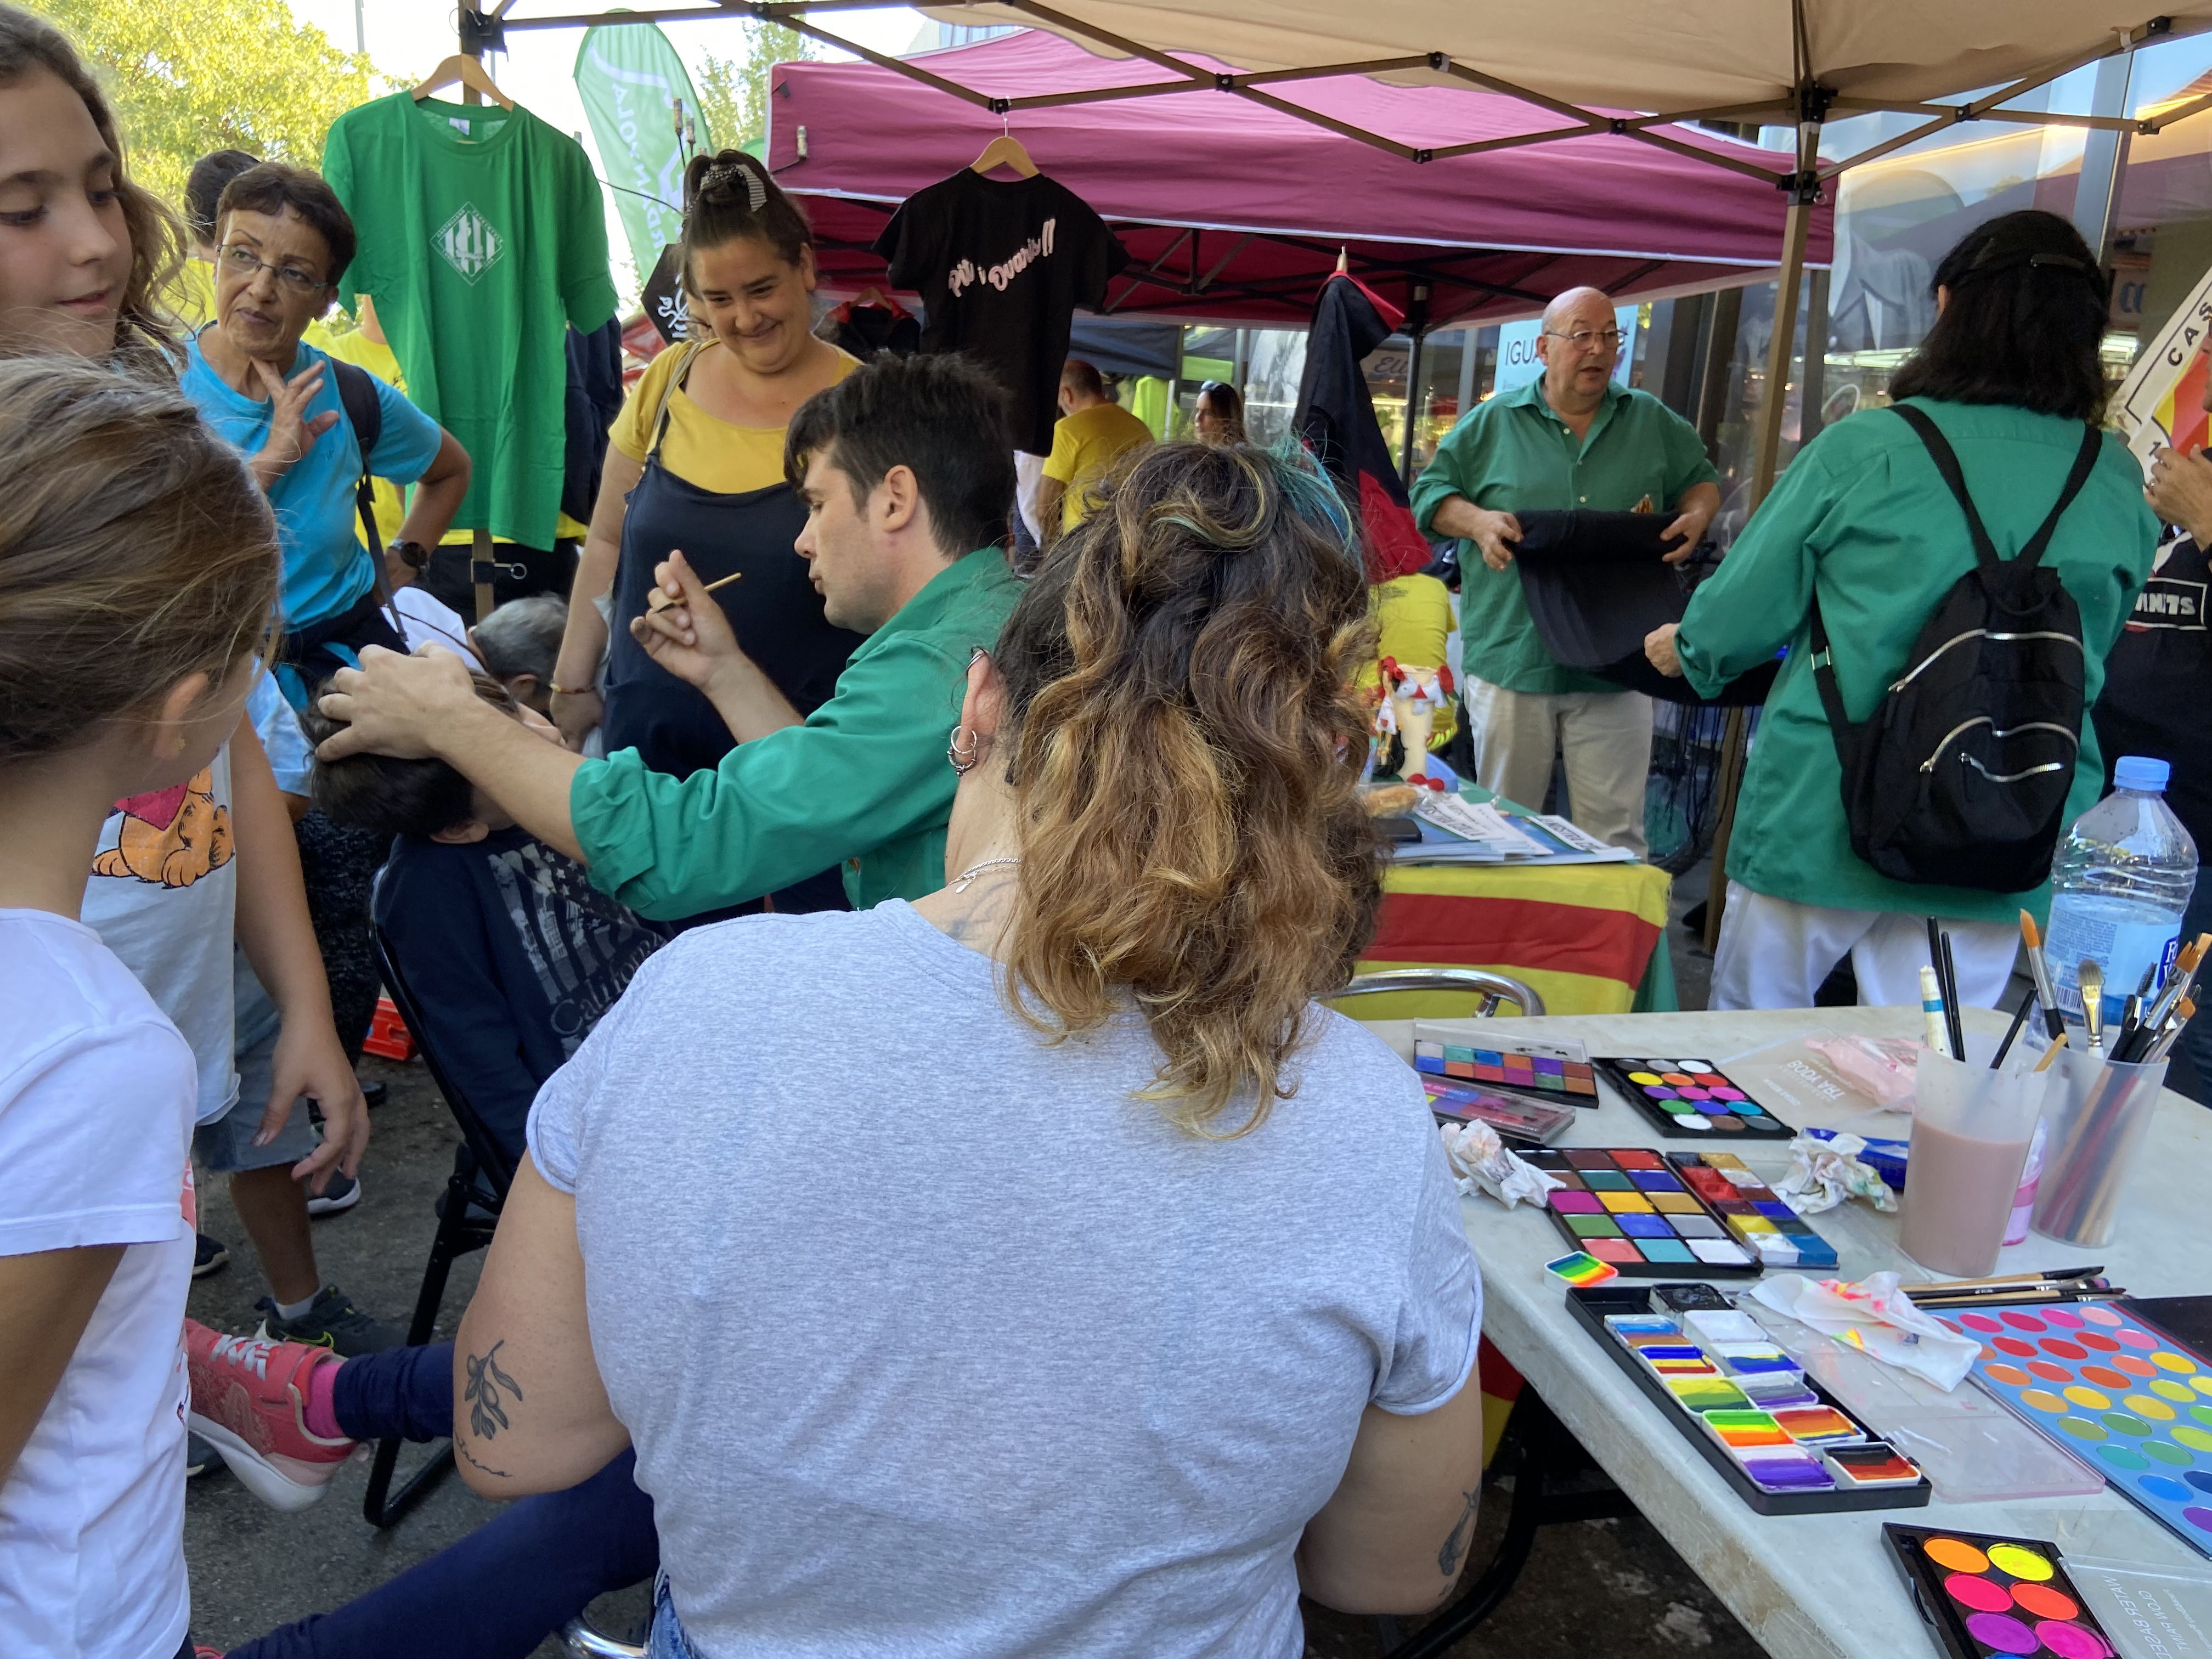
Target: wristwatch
column 413, row 555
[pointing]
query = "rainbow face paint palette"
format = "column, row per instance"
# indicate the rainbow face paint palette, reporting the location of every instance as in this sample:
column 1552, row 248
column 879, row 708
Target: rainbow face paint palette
column 1987, row 1597
column 1580, row 1268
column 2129, row 1400
column 1753, row 1212
column 1806, row 1457
column 1625, row 1207
column 1560, row 1069
column 1692, row 1100
column 1516, row 1118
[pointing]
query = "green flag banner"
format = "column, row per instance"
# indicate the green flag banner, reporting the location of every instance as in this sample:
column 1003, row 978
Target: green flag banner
column 629, row 77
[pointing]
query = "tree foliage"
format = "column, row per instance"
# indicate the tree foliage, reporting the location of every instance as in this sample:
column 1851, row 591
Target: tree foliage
column 733, row 92
column 186, row 80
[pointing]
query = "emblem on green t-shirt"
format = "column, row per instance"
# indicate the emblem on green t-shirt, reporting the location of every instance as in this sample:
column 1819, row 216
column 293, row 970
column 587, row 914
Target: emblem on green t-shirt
column 470, row 243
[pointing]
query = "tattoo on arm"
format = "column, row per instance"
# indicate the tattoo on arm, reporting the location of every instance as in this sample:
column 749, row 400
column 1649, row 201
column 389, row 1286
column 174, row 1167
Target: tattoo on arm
column 1462, row 1535
column 487, row 1408
column 461, row 1450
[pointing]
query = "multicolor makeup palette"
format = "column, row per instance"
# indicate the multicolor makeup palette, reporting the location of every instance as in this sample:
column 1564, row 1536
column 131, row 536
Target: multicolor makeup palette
column 1785, row 1447
column 1692, row 1099
column 1517, row 1118
column 1985, row 1596
column 2129, row 1400
column 1753, row 1212
column 1549, row 1069
column 1625, row 1206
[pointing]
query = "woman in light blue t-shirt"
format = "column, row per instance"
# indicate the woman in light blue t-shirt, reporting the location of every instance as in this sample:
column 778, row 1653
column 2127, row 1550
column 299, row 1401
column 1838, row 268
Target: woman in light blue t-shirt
column 1035, row 1268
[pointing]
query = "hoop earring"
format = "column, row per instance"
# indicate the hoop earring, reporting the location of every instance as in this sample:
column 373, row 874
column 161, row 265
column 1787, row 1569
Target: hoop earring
column 962, row 760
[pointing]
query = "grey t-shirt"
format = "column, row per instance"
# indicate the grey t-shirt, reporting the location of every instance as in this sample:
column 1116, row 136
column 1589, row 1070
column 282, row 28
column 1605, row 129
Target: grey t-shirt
column 933, row 1340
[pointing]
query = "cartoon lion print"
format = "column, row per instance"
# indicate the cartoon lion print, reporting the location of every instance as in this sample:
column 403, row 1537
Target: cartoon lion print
column 171, row 837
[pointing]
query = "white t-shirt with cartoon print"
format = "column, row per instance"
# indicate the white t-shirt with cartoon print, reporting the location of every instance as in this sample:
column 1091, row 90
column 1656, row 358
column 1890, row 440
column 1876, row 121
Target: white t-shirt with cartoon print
column 96, row 1106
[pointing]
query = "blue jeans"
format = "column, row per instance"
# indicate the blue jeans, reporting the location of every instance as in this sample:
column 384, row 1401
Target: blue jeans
column 2189, row 1069
column 504, row 1588
column 668, row 1640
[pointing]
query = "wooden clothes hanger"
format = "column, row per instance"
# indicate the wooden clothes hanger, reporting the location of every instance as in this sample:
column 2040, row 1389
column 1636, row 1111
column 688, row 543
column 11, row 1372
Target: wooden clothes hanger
column 1004, row 151
column 469, row 73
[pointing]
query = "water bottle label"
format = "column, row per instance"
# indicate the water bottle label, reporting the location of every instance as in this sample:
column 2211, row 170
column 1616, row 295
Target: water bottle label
column 2122, row 949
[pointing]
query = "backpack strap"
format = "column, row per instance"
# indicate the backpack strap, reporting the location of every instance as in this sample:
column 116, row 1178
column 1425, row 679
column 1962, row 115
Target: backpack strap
column 1832, row 696
column 1947, row 463
column 364, row 412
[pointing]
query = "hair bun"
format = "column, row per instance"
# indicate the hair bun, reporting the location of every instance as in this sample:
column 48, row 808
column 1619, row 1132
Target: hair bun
column 723, row 175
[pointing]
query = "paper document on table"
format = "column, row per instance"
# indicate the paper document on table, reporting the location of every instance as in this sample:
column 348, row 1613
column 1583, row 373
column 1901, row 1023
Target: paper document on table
column 1587, row 847
column 1482, row 823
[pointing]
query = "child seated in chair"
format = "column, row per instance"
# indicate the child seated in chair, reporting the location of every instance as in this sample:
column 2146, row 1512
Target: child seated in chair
column 510, row 953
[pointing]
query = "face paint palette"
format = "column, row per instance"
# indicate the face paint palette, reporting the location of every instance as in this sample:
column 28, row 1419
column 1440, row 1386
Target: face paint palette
column 1753, row 1212
column 2129, row 1400
column 1516, row 1118
column 1625, row 1206
column 1558, row 1069
column 1987, row 1597
column 1781, row 1459
column 1689, row 1099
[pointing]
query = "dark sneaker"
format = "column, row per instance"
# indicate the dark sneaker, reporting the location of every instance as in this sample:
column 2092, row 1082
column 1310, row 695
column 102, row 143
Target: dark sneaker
column 332, row 1322
column 199, row 1457
column 209, row 1255
column 342, row 1193
column 375, row 1094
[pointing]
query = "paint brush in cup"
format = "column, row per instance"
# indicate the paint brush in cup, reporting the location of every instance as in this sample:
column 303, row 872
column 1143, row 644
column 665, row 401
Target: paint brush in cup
column 2091, row 978
column 1931, row 1013
column 2054, row 1023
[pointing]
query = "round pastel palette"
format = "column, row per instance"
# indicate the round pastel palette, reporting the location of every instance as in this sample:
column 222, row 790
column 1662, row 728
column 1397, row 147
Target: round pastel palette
column 2128, row 1400
column 1688, row 1099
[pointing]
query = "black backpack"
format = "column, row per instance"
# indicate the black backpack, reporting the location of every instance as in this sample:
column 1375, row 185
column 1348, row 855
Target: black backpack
column 1961, row 776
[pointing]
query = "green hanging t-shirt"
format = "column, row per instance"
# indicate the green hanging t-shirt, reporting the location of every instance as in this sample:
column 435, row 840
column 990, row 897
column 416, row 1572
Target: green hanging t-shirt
column 484, row 237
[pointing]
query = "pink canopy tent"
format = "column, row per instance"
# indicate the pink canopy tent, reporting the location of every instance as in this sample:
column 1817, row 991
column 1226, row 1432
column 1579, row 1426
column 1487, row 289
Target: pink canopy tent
column 1235, row 213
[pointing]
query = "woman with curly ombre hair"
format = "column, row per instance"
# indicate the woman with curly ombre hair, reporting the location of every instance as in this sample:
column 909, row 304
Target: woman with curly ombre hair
column 1044, row 1271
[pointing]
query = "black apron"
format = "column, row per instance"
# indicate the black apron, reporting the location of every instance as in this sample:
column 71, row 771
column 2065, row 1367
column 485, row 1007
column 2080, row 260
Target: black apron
column 2158, row 681
column 774, row 612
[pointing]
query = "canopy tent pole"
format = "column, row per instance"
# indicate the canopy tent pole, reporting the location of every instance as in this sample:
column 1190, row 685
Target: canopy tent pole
column 1766, row 451
column 2104, row 153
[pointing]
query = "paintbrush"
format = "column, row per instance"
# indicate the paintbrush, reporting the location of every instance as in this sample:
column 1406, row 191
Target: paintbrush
column 2040, row 1299
column 2054, row 1023
column 2005, row 1292
column 2058, row 1275
column 2051, row 1053
column 2019, row 1019
column 1953, row 1019
column 2091, row 978
column 659, row 599
column 2184, row 974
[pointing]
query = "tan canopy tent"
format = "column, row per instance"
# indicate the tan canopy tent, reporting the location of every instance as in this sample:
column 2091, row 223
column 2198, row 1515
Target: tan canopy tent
column 1614, row 70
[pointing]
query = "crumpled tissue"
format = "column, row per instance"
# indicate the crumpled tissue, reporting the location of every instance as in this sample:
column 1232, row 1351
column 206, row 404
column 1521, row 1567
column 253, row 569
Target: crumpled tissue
column 1876, row 1318
column 1823, row 1173
column 1480, row 1161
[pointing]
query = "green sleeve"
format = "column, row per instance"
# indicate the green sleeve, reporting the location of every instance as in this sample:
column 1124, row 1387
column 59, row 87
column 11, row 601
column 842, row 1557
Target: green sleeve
column 1687, row 464
column 1755, row 603
column 587, row 285
column 867, row 768
column 338, row 174
column 1449, row 471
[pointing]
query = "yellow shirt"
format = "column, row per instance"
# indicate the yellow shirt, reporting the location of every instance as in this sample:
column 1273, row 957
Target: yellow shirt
column 700, row 448
column 1413, row 619
column 1084, row 444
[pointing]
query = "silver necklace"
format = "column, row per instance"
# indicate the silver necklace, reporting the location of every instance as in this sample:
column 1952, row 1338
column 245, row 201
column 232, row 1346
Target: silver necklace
column 959, row 882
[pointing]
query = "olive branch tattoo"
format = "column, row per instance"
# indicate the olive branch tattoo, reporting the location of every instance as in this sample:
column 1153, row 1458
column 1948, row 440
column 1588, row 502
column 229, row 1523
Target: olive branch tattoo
column 487, row 1411
column 1462, row 1534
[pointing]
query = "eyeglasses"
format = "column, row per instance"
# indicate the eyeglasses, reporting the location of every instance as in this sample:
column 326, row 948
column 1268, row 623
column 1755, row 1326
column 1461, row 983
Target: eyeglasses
column 1607, row 339
column 241, row 261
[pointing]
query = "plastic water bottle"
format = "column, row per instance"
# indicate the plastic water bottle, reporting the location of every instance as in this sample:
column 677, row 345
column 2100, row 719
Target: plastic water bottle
column 2118, row 887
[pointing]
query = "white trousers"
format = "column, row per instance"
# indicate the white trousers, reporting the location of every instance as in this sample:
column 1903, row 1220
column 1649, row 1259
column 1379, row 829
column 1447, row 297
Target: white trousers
column 1605, row 736
column 1774, row 953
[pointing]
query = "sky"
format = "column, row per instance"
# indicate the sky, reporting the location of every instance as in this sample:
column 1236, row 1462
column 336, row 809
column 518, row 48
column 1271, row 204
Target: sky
column 408, row 38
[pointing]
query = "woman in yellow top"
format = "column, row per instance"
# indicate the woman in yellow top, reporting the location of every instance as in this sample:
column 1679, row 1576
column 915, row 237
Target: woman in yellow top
column 695, row 461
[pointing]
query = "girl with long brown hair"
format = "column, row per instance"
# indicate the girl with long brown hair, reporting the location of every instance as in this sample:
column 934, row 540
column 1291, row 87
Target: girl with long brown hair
column 1035, row 1268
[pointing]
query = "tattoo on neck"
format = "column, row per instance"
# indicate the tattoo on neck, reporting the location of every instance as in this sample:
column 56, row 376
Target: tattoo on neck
column 487, row 1409
column 1462, row 1535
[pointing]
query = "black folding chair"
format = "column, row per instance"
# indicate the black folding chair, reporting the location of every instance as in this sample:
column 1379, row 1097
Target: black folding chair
column 468, row 1211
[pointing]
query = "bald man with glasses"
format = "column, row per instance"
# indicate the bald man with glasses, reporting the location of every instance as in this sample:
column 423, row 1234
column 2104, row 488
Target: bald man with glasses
column 1571, row 438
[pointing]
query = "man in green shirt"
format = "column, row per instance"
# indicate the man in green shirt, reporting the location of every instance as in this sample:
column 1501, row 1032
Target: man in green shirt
column 902, row 477
column 1571, row 438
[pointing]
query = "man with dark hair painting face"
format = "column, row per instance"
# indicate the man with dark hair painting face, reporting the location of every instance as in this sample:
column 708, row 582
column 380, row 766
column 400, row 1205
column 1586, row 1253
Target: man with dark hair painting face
column 908, row 483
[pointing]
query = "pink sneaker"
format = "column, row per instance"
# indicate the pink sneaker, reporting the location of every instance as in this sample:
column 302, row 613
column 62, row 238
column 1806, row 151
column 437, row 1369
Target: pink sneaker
column 250, row 1402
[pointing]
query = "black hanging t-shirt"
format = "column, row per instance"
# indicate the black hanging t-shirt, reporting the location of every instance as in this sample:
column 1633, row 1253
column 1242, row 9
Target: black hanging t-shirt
column 1001, row 266
column 2158, row 684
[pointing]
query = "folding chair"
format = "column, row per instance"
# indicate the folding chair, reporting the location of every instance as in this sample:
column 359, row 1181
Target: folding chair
column 1493, row 988
column 468, row 1211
